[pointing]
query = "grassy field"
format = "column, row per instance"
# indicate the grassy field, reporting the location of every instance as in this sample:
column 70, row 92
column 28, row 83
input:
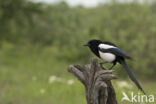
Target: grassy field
column 34, row 76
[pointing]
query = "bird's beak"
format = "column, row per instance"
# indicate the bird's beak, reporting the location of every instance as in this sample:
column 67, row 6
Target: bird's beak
column 86, row 44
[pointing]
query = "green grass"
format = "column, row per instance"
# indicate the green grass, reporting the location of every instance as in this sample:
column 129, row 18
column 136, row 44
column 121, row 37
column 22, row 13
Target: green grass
column 148, row 86
column 25, row 74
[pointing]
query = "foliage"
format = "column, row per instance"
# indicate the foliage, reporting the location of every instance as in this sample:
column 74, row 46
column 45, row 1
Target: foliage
column 39, row 41
column 15, row 15
column 131, row 26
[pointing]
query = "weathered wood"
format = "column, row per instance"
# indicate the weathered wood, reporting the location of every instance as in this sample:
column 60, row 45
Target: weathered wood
column 97, row 82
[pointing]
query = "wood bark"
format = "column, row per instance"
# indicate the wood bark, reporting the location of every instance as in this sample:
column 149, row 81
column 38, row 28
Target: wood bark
column 97, row 82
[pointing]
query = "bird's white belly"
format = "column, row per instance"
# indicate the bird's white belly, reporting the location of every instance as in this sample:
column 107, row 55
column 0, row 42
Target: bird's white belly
column 108, row 57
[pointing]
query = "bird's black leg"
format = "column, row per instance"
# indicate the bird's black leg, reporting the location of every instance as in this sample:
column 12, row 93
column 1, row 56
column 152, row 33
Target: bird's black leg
column 102, row 63
column 112, row 66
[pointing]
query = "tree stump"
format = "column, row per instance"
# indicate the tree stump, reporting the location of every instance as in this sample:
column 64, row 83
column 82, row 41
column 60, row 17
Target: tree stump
column 97, row 82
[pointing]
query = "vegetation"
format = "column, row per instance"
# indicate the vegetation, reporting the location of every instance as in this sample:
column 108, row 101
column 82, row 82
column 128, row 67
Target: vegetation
column 39, row 41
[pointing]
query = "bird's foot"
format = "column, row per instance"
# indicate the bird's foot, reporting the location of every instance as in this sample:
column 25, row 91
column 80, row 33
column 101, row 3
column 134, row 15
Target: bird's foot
column 110, row 68
column 101, row 64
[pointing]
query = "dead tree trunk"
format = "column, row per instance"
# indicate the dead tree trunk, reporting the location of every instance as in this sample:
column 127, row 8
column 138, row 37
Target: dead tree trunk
column 97, row 82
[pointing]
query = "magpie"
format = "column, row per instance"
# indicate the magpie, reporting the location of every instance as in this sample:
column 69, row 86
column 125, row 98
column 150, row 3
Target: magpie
column 110, row 53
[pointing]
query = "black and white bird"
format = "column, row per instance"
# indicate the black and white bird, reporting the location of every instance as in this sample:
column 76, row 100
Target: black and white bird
column 110, row 53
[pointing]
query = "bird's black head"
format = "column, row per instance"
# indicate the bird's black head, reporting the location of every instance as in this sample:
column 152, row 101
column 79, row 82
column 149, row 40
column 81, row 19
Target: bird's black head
column 93, row 45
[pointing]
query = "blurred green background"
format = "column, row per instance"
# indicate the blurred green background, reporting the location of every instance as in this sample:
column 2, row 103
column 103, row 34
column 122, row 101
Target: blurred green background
column 38, row 41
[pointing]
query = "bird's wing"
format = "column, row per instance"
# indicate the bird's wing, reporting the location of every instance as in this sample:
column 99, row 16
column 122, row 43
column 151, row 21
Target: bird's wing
column 116, row 51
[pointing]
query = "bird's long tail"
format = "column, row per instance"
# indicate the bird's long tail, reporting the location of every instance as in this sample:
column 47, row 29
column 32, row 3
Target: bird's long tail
column 125, row 66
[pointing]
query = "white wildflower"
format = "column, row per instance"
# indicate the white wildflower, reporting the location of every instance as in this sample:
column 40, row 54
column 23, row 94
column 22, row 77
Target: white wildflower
column 70, row 82
column 34, row 78
column 42, row 91
column 59, row 79
column 52, row 79
column 124, row 84
column 55, row 79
